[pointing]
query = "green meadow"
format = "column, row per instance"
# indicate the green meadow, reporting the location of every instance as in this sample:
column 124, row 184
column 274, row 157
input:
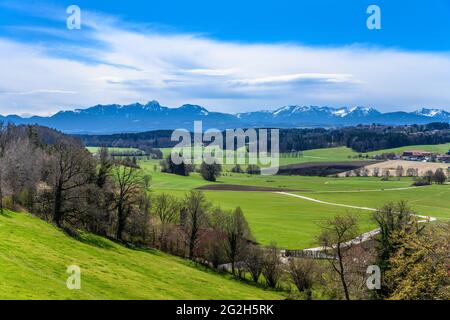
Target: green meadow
column 429, row 201
column 112, row 149
column 288, row 222
column 438, row 148
column 34, row 257
column 294, row 222
column 316, row 155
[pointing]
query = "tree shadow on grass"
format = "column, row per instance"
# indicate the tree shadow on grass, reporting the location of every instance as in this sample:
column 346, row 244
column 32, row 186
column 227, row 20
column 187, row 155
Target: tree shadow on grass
column 6, row 214
column 96, row 241
column 89, row 238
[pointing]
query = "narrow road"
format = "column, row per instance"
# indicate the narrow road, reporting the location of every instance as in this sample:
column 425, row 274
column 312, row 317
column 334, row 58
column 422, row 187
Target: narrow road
column 324, row 202
column 363, row 237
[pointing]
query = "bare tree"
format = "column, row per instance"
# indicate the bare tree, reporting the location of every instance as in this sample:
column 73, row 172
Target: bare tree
column 237, row 236
column 386, row 174
column 193, row 219
column 365, row 172
column 105, row 167
column 411, row 172
column 376, row 172
column 399, row 171
column 303, row 273
column 21, row 172
column 214, row 247
column 166, row 208
column 71, row 169
column 272, row 266
column 129, row 184
column 336, row 238
column 428, row 176
column 254, row 262
column 1, row 185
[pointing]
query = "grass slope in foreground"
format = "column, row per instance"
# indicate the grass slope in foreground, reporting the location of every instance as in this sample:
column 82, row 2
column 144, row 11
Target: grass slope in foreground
column 34, row 256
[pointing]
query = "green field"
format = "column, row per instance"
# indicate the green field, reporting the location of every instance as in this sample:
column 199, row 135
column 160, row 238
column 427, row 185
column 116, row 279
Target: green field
column 316, row 155
column 34, row 257
column 321, row 155
column 438, row 148
column 314, row 184
column 97, row 149
column 429, row 201
column 289, row 222
column 293, row 222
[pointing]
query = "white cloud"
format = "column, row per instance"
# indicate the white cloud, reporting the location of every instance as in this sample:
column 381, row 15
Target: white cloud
column 117, row 65
column 211, row 72
column 290, row 78
column 39, row 91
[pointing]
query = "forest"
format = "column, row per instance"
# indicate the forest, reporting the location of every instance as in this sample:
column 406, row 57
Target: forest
column 362, row 138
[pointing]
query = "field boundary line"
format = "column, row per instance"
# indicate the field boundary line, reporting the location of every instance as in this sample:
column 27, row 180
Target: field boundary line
column 370, row 190
column 361, row 238
column 427, row 218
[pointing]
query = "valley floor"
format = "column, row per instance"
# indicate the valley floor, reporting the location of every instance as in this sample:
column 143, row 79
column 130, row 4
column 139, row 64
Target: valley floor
column 294, row 223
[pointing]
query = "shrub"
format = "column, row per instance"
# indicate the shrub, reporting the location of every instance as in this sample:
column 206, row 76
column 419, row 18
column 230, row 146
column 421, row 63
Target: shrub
column 210, row 172
column 253, row 169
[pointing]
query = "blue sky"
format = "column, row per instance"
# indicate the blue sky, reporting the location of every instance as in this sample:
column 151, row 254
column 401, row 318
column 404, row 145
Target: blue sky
column 226, row 55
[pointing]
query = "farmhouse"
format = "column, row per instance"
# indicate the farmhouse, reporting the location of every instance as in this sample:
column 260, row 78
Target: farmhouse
column 444, row 158
column 416, row 155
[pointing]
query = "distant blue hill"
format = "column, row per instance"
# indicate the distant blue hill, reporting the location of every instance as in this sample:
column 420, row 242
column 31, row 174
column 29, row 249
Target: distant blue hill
column 106, row 119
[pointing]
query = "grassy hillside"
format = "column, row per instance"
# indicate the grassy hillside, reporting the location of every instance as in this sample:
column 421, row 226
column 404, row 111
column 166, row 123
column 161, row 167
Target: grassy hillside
column 438, row 148
column 34, row 256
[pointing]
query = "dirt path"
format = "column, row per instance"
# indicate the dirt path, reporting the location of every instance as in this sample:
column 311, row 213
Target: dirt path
column 324, row 202
column 363, row 237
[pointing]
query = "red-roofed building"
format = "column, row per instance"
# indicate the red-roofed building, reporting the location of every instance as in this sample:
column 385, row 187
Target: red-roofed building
column 416, row 155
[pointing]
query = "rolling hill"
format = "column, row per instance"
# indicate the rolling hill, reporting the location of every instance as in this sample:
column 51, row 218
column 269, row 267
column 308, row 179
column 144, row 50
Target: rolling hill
column 34, row 257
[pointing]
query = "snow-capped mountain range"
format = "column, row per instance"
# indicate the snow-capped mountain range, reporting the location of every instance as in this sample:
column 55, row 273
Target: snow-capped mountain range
column 152, row 116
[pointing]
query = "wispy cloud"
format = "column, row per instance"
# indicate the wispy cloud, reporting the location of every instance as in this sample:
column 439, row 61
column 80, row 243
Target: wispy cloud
column 109, row 61
column 39, row 91
column 300, row 77
column 210, row 72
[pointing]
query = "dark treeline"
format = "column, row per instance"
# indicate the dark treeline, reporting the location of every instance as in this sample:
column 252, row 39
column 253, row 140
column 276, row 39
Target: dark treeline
column 142, row 141
column 363, row 138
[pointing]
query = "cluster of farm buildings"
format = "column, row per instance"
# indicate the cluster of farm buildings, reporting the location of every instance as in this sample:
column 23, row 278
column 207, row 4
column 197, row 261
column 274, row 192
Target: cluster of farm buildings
column 424, row 156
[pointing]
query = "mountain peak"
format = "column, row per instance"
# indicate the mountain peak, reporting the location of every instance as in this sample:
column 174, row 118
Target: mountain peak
column 152, row 106
column 194, row 109
column 362, row 111
column 138, row 117
column 432, row 112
